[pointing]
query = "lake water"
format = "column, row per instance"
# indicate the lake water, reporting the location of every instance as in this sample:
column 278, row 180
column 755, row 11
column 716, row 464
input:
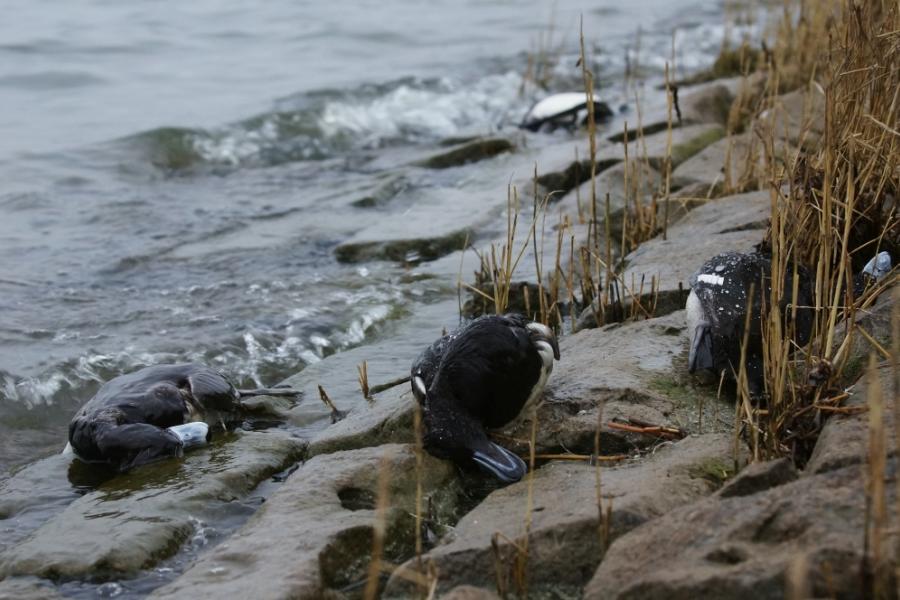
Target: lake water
column 174, row 177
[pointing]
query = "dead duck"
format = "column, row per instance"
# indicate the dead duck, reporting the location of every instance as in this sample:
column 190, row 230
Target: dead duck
column 485, row 376
column 154, row 413
column 717, row 311
column 566, row 110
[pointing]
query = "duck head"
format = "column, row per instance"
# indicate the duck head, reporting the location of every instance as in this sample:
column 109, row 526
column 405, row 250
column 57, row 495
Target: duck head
column 463, row 440
column 545, row 342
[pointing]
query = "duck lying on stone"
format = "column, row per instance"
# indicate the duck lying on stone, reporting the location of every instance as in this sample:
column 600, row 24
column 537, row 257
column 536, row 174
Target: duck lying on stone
column 484, row 376
column 717, row 313
column 717, row 310
column 154, row 413
column 568, row 110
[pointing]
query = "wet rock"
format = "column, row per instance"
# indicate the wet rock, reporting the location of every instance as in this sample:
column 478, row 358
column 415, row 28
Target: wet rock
column 33, row 495
column 388, row 359
column 313, row 537
column 388, row 420
column 564, row 545
column 640, row 181
column 564, row 178
column 759, row 477
column 405, row 250
column 844, row 439
column 721, row 101
column 468, row 152
column 390, row 185
column 437, row 223
column 731, row 223
column 27, row 588
column 744, row 546
column 135, row 520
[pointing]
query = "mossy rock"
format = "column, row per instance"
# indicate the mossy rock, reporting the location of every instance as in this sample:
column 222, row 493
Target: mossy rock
column 470, row 152
column 411, row 250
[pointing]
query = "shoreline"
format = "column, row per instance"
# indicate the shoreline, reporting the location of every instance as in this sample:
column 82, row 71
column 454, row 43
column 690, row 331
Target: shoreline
column 679, row 509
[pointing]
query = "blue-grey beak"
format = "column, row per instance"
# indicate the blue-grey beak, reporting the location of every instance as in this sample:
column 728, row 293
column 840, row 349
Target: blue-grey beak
column 500, row 462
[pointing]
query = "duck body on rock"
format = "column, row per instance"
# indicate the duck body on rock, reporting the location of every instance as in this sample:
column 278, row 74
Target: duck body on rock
column 485, row 376
column 154, row 413
column 564, row 110
column 717, row 314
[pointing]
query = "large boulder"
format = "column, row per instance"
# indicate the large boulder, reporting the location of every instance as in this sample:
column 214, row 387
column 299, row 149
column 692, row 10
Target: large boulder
column 314, row 536
column 768, row 529
column 546, row 531
column 745, row 546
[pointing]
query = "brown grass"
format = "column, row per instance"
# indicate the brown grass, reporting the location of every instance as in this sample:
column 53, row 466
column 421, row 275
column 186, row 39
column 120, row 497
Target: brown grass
column 833, row 208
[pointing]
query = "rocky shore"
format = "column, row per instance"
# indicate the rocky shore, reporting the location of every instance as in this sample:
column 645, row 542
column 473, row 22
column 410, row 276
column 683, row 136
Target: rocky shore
column 678, row 510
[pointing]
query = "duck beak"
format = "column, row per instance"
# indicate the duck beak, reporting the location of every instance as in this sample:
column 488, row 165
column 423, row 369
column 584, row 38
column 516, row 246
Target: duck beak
column 701, row 354
column 555, row 345
column 192, row 434
column 542, row 333
column 500, row 462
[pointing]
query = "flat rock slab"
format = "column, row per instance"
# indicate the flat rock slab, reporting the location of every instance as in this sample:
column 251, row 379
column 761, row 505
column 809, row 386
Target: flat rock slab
column 844, row 440
column 32, row 495
column 387, row 359
column 388, row 420
column 559, row 171
column 313, row 537
column 743, row 547
column 468, row 152
column 415, row 235
column 797, row 118
column 733, row 163
column 135, row 520
column 734, row 223
column 641, row 181
column 564, row 544
column 628, row 371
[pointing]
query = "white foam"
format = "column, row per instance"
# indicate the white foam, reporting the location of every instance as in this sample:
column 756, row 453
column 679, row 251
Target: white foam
column 409, row 111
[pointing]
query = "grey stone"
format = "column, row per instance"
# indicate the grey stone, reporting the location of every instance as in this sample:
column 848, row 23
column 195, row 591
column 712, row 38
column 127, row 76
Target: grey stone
column 564, row 544
column 135, row 520
column 313, row 537
column 388, row 420
column 797, row 118
column 844, row 440
column 760, row 476
column 628, row 372
column 748, row 169
column 732, row 223
column 468, row 152
column 744, row 546
column 642, row 182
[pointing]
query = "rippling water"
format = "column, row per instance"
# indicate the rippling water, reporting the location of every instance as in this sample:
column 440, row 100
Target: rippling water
column 174, row 177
